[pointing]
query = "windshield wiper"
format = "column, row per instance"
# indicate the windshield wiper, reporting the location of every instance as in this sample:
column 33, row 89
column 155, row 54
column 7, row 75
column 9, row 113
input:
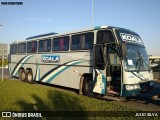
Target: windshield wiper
column 141, row 61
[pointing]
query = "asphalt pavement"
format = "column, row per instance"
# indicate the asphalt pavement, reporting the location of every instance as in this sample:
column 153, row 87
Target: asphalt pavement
column 5, row 73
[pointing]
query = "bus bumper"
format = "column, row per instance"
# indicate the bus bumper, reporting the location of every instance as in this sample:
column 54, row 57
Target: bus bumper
column 129, row 92
column 145, row 86
column 135, row 90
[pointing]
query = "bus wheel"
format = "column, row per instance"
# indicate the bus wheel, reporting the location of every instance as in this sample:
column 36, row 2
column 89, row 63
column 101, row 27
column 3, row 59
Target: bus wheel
column 22, row 75
column 29, row 76
column 87, row 86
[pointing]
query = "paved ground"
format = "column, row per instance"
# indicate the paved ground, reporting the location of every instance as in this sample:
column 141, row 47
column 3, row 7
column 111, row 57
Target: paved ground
column 5, row 73
column 143, row 101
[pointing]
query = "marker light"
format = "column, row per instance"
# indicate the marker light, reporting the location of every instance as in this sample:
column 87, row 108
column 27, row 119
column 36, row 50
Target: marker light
column 99, row 27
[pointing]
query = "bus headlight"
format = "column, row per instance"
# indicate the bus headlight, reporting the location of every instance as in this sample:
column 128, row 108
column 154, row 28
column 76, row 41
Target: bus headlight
column 129, row 87
column 132, row 87
column 136, row 86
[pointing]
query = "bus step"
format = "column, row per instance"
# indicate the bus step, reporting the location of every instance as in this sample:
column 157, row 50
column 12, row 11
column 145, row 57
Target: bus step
column 112, row 92
column 111, row 98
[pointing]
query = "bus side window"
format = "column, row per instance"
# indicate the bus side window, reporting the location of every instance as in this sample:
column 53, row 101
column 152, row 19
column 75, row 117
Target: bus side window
column 105, row 36
column 82, row 41
column 22, row 48
column 61, row 44
column 89, row 37
column 40, row 47
column 13, row 49
column 32, row 47
column 44, row 45
column 75, row 42
column 48, row 45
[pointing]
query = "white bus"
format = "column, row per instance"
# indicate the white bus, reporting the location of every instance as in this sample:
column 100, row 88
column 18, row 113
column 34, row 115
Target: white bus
column 106, row 61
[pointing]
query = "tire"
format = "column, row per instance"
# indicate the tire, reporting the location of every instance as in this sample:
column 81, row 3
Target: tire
column 22, row 75
column 87, row 86
column 29, row 76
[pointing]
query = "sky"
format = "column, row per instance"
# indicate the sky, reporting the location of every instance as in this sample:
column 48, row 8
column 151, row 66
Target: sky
column 36, row 17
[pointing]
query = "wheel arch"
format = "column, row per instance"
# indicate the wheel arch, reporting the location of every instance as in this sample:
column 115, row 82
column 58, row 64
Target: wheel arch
column 81, row 81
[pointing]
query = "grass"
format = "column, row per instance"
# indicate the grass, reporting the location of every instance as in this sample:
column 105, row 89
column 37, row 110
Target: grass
column 19, row 96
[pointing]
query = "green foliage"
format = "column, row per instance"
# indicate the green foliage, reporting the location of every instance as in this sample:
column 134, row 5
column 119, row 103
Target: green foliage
column 5, row 62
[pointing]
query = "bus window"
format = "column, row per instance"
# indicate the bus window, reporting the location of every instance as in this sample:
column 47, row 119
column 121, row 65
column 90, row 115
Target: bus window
column 89, row 37
column 75, row 42
column 22, row 48
column 13, row 49
column 104, row 36
column 82, row 41
column 44, row 45
column 61, row 44
column 98, row 59
column 32, row 47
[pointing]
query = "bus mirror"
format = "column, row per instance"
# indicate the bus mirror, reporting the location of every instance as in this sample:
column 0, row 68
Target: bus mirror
column 124, row 49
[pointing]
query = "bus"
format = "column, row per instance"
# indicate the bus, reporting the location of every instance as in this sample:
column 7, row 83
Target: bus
column 155, row 66
column 105, row 61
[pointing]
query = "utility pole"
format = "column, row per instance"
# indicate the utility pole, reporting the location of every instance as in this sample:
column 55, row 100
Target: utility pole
column 92, row 13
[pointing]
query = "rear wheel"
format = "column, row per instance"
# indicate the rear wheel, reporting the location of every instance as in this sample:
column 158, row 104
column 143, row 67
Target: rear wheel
column 87, row 86
column 29, row 76
column 22, row 75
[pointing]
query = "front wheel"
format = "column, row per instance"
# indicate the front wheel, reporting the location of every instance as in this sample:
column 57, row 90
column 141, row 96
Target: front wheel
column 87, row 86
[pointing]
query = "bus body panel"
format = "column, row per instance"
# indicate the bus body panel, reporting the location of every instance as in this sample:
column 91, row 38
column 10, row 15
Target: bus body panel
column 67, row 72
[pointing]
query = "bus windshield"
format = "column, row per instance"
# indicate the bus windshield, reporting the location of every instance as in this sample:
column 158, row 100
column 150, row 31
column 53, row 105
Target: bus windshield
column 136, row 59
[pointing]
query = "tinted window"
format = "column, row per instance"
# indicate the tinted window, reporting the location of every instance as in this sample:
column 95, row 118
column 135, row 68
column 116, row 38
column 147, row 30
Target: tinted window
column 13, row 49
column 22, row 48
column 32, row 47
column 98, row 59
column 82, row 41
column 75, row 42
column 61, row 44
column 44, row 45
column 104, row 36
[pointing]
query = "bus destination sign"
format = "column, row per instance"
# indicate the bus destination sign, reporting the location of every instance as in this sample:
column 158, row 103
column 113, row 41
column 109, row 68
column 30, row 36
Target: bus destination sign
column 131, row 38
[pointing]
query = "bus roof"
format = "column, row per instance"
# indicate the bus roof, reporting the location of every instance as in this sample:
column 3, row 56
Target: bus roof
column 53, row 34
column 65, row 33
column 37, row 36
